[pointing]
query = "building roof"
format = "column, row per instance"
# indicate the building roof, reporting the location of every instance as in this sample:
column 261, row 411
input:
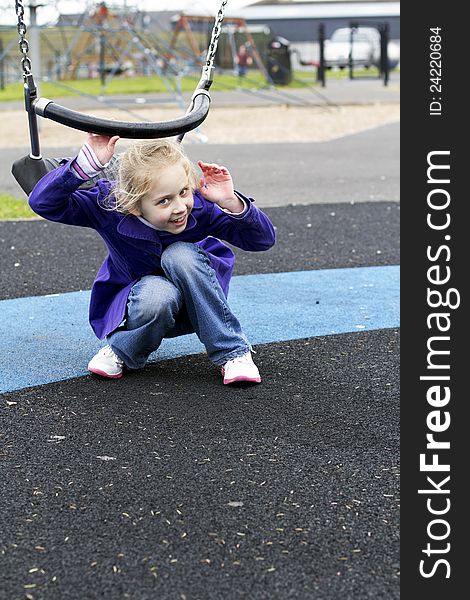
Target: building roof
column 277, row 2
column 315, row 10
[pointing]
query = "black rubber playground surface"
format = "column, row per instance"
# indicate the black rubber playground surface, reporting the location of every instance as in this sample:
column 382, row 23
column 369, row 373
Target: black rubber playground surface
column 167, row 484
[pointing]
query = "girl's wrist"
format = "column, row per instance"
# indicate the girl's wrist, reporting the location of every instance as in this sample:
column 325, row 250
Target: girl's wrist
column 233, row 204
column 87, row 164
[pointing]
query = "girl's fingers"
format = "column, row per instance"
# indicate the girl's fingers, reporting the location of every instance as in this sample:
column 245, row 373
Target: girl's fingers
column 220, row 168
column 208, row 166
column 212, row 168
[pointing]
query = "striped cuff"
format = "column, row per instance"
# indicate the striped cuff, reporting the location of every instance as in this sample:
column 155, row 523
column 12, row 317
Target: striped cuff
column 87, row 165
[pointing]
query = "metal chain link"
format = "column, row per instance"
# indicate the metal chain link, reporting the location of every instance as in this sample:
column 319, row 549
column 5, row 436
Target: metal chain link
column 215, row 36
column 23, row 42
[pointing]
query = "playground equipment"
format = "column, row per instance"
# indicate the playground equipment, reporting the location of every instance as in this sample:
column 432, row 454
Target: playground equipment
column 28, row 170
column 232, row 26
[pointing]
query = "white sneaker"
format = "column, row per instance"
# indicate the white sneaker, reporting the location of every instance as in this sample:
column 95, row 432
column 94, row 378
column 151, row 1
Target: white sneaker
column 241, row 368
column 106, row 363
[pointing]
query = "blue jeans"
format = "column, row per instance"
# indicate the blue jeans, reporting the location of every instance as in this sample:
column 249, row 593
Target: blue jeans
column 188, row 299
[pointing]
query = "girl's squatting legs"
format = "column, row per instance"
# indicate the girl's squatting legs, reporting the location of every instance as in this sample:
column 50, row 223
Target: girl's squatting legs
column 160, row 307
column 152, row 311
column 188, row 267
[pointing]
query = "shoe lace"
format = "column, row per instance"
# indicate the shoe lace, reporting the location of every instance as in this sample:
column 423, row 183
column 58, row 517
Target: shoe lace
column 245, row 358
column 108, row 351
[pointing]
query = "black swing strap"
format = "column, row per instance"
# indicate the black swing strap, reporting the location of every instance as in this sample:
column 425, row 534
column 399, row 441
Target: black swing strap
column 197, row 113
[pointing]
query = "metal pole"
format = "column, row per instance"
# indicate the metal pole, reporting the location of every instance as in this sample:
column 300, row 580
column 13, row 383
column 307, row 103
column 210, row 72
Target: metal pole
column 385, row 64
column 350, row 58
column 2, row 67
column 102, row 60
column 321, row 65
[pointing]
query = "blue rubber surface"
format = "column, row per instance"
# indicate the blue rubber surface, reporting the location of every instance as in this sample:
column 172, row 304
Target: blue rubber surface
column 47, row 338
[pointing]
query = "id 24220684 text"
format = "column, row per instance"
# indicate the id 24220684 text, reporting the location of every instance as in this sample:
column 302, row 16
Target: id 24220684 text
column 435, row 71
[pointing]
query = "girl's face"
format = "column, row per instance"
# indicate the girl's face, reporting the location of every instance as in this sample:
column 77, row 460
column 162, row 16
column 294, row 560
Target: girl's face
column 169, row 202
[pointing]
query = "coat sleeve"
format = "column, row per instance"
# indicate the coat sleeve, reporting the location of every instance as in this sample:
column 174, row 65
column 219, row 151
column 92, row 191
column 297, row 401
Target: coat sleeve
column 251, row 231
column 56, row 197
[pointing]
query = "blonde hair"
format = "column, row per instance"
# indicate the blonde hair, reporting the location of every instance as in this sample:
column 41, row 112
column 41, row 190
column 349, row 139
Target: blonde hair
column 139, row 166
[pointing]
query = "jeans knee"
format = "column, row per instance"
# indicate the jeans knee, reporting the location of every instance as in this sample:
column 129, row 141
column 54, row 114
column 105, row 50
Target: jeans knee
column 153, row 298
column 180, row 255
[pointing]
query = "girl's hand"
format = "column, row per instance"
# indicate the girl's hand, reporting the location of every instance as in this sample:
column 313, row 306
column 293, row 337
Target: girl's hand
column 217, row 187
column 102, row 146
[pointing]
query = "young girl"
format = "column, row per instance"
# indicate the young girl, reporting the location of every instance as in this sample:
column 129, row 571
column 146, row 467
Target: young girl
column 166, row 273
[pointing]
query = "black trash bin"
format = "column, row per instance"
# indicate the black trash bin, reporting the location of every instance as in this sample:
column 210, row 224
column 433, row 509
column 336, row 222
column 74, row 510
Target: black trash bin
column 279, row 63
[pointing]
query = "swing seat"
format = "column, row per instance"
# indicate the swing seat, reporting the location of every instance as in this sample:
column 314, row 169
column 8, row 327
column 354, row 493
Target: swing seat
column 28, row 171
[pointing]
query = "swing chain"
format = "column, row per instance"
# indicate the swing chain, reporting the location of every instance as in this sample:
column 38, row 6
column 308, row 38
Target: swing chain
column 216, row 31
column 23, row 42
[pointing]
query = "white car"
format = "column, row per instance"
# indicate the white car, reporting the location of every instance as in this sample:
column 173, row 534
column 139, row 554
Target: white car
column 365, row 48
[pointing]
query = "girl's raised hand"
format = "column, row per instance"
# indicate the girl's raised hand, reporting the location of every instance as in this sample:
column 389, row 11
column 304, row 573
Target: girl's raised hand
column 217, row 185
column 102, row 145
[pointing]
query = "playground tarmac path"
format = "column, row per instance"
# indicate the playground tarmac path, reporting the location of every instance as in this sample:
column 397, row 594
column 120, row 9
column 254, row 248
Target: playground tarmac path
column 167, row 484
column 353, row 168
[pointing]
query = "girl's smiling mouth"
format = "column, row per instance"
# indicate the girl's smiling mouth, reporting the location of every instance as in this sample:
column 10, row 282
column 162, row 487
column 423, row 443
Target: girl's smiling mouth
column 179, row 220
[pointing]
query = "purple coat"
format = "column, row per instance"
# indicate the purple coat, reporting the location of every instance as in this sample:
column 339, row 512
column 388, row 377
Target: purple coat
column 134, row 249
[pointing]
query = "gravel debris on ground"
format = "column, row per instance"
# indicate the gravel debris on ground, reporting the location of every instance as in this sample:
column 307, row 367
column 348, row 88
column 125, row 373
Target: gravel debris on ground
column 223, row 125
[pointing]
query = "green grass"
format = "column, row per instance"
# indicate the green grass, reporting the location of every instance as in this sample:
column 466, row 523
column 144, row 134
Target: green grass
column 143, row 85
column 135, row 86
column 14, row 208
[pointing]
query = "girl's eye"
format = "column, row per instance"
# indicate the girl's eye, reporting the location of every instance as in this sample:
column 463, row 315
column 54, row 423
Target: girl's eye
column 163, row 201
column 184, row 191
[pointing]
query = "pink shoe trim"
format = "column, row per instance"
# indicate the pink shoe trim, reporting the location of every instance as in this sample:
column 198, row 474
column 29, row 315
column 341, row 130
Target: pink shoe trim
column 242, row 378
column 103, row 374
